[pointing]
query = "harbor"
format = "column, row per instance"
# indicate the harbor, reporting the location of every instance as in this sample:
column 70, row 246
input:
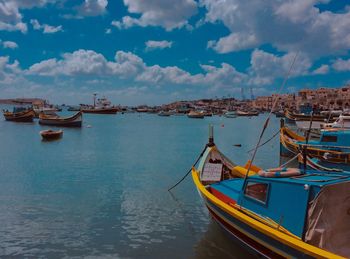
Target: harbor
column 102, row 190
column 197, row 129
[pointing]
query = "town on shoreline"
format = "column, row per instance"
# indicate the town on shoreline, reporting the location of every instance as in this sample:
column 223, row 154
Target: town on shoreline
column 322, row 98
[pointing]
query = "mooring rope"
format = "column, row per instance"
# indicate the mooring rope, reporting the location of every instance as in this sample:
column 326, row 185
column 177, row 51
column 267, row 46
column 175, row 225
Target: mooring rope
column 189, row 171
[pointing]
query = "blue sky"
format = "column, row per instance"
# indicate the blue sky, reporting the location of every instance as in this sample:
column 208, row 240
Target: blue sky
column 157, row 51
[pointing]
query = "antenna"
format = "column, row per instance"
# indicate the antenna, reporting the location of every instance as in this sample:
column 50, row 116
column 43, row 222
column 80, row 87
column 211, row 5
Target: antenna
column 242, row 93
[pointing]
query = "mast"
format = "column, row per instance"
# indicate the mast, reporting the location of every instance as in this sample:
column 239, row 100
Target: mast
column 95, row 99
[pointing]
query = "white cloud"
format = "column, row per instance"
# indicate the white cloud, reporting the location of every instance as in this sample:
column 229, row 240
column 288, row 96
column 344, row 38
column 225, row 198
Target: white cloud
column 341, row 65
column 45, row 27
column 9, row 45
column 93, row 7
column 164, row 13
column 322, row 70
column 290, row 26
column 266, row 67
column 108, row 31
column 152, row 44
column 9, row 72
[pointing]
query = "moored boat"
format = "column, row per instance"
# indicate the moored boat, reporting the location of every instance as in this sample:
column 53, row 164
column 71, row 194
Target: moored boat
column 276, row 213
column 51, row 134
column 165, row 113
column 23, row 115
column 230, row 114
column 195, row 115
column 72, row 121
column 333, row 146
column 102, row 106
column 247, row 113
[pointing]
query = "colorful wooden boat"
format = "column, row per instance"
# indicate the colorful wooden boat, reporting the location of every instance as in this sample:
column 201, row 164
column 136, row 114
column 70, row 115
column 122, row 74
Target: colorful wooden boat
column 20, row 116
column 323, row 118
column 284, row 214
column 333, row 146
column 72, row 121
column 195, row 115
column 51, row 134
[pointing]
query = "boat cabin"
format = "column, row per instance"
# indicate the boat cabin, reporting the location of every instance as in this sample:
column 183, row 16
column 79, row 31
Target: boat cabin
column 300, row 205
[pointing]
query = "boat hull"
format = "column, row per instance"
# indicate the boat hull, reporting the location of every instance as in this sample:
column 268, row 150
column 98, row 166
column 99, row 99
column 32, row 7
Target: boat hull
column 26, row 116
column 73, row 121
column 249, row 237
column 101, row 111
column 51, row 135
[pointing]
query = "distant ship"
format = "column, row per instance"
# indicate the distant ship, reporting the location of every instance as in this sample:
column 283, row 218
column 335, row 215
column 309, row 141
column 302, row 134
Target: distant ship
column 102, row 106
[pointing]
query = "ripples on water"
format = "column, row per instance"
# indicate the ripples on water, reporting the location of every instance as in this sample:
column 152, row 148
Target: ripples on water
column 102, row 191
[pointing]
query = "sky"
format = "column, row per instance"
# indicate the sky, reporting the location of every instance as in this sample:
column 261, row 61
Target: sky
column 157, row 51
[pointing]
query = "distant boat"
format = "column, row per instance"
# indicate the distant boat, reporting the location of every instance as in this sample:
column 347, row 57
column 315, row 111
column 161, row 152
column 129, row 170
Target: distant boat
column 25, row 115
column 165, row 113
column 73, row 108
column 342, row 122
column 51, row 134
column 195, row 115
column 230, row 114
column 102, row 106
column 73, row 121
column 247, row 113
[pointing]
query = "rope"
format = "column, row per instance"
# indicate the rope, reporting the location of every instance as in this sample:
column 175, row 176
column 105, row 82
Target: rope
column 189, row 171
column 267, row 141
column 286, row 163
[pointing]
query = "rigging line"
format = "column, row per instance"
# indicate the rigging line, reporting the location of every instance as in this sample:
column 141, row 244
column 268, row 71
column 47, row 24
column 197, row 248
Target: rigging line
column 189, row 171
column 268, row 119
column 290, row 160
column 267, row 141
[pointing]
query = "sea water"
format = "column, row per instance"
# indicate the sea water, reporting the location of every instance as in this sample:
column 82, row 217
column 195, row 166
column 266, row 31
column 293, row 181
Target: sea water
column 101, row 191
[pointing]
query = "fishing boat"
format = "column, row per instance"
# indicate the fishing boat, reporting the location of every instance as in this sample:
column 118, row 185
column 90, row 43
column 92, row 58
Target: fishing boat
column 19, row 115
column 279, row 212
column 195, row 115
column 247, row 113
column 230, row 114
column 101, row 106
column 51, row 134
column 72, row 121
column 323, row 118
column 333, row 146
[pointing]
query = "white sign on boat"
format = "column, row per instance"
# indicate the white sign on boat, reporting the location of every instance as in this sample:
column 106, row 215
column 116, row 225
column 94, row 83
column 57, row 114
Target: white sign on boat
column 211, row 172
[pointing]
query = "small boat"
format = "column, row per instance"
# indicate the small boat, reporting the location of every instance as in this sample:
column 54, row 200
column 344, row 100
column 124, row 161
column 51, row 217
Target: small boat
column 230, row 114
column 247, row 113
column 73, row 108
column 51, row 134
column 19, row 115
column 165, row 113
column 278, row 212
column 195, row 115
column 72, row 121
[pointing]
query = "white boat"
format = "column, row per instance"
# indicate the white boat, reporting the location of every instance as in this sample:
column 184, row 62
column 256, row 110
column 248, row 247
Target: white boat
column 342, row 122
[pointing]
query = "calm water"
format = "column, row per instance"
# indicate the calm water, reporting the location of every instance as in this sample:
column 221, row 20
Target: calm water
column 102, row 191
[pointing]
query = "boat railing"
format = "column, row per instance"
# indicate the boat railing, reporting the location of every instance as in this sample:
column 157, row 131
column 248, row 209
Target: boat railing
column 318, row 145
